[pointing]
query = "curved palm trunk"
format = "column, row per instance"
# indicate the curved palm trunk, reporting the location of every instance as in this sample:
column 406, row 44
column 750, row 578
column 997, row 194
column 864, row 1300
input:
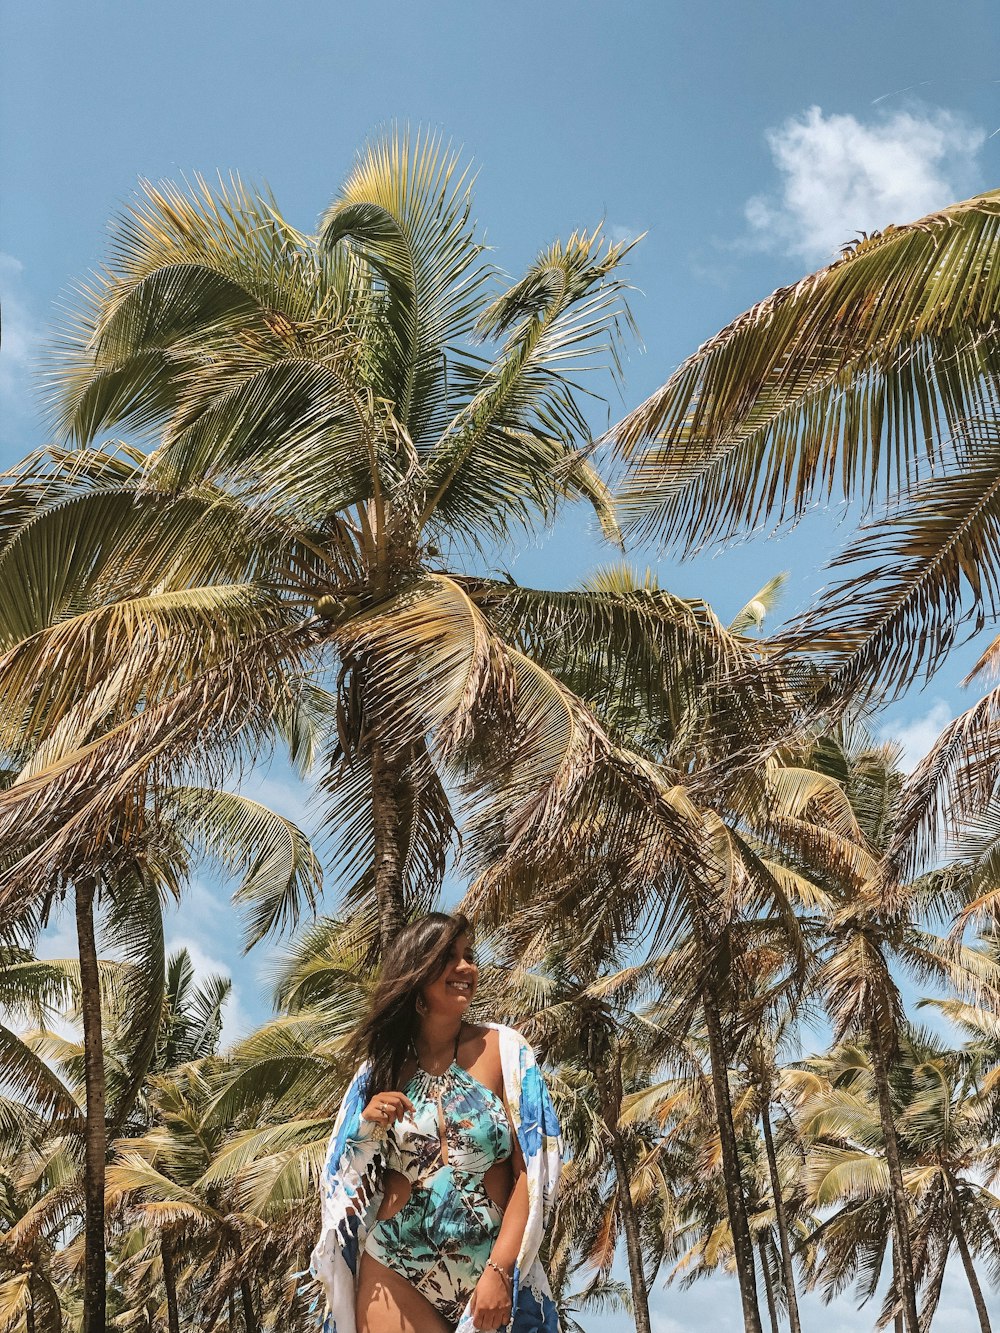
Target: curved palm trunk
column 626, row 1209
column 900, row 1210
column 95, row 1149
column 772, row 1309
column 387, row 821
column 29, row 1313
column 170, row 1287
column 788, row 1272
column 735, row 1200
column 970, row 1273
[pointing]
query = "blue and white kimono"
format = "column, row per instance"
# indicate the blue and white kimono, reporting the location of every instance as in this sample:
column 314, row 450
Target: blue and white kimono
column 352, row 1189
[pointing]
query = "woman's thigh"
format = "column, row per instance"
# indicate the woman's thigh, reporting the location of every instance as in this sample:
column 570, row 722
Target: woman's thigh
column 387, row 1303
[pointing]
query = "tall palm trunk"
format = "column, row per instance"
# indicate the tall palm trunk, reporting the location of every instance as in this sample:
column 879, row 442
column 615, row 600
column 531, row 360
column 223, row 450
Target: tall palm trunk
column 249, row 1316
column 95, row 1147
column 735, row 1200
column 387, row 820
column 610, row 1107
column 772, row 1309
column 170, row 1286
column 900, row 1209
column 781, row 1218
column 970, row 1271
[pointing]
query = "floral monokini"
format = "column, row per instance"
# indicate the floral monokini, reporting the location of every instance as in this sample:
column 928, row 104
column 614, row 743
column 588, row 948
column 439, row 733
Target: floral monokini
column 442, row 1236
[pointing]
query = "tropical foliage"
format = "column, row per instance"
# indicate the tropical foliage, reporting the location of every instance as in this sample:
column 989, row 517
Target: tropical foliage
column 285, row 467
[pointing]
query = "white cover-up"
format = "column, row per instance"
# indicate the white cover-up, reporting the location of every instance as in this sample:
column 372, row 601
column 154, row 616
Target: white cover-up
column 351, row 1192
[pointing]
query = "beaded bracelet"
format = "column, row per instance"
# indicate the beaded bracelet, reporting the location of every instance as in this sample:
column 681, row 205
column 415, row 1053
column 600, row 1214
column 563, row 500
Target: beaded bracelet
column 509, row 1277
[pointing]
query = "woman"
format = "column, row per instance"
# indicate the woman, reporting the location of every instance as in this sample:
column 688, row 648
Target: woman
column 443, row 1164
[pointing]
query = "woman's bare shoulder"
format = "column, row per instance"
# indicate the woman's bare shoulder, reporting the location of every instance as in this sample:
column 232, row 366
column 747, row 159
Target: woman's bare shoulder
column 485, row 1039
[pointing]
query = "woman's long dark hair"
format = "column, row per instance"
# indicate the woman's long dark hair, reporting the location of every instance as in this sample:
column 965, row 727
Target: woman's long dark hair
column 417, row 956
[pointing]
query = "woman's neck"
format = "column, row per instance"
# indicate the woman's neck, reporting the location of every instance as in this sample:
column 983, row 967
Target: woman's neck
column 437, row 1039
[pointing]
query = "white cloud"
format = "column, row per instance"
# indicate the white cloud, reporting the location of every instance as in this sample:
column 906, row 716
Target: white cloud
column 841, row 176
column 622, row 235
column 918, row 734
column 287, row 795
column 21, row 337
column 236, row 1023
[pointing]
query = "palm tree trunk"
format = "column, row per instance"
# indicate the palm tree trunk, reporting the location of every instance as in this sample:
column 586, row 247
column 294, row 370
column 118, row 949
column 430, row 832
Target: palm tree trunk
column 772, row 1310
column 970, row 1273
column 788, row 1271
column 95, row 1148
column 900, row 1209
column 170, row 1286
column 249, row 1317
column 626, row 1208
column 387, row 821
column 735, row 1201
column 29, row 1312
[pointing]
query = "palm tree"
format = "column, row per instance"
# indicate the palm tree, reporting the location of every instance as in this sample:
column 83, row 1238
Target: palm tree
column 875, row 378
column 585, row 1035
column 154, row 1182
column 943, row 1150
column 189, row 1031
column 716, row 749
column 41, row 1121
column 870, row 931
column 280, row 875
column 329, row 439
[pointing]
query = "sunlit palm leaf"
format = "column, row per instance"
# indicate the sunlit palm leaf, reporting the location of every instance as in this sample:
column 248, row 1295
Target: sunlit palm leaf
column 280, row 874
column 406, row 211
column 850, row 378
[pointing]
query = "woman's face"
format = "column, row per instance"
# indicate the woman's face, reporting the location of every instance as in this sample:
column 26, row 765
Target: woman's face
column 451, row 993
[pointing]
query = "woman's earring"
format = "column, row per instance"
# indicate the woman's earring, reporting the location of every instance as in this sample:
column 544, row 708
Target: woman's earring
column 421, row 1005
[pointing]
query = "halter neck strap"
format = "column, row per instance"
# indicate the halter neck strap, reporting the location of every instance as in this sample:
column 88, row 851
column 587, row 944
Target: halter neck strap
column 454, row 1054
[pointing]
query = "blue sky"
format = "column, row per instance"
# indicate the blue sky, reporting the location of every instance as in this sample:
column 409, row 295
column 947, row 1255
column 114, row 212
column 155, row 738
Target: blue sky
column 748, row 141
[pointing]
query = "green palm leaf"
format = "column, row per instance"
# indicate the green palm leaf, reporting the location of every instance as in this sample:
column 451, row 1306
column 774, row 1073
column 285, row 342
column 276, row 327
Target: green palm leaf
column 281, row 876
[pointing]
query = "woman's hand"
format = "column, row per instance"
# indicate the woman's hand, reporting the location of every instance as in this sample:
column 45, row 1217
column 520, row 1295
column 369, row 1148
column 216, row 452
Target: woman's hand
column 385, row 1108
column 491, row 1300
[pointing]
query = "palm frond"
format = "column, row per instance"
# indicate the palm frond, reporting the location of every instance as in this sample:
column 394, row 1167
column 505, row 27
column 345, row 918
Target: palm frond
column 405, row 213
column 895, row 342
column 281, row 876
column 512, row 452
column 929, row 577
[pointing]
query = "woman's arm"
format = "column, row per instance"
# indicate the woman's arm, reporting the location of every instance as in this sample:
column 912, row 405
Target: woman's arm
column 491, row 1305
column 507, row 1246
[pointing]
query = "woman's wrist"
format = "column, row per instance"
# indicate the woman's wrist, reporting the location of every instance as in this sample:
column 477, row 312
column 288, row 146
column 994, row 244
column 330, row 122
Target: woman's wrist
column 368, row 1129
column 505, row 1272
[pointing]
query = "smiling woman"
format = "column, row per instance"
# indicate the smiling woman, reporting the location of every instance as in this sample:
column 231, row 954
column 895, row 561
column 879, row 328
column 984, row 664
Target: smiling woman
column 444, row 1160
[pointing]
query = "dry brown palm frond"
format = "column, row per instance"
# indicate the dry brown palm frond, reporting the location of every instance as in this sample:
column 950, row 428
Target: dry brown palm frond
column 927, row 578
column 94, row 797
column 951, row 786
column 48, row 1216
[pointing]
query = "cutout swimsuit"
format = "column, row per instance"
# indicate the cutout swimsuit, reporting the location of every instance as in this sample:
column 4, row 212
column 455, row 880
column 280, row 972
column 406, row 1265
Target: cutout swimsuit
column 442, row 1236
